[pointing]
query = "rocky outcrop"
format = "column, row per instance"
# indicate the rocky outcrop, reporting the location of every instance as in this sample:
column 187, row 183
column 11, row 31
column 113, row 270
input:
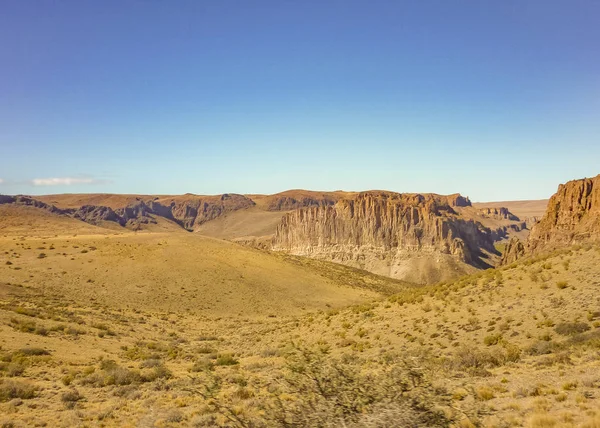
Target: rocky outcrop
column 96, row 214
column 573, row 215
column 513, row 251
column 188, row 211
column 457, row 200
column 195, row 210
column 505, row 232
column 531, row 221
column 295, row 199
column 497, row 214
column 386, row 232
column 31, row 202
column 288, row 203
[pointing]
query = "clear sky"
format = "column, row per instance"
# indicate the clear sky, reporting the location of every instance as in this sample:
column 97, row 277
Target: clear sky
column 496, row 100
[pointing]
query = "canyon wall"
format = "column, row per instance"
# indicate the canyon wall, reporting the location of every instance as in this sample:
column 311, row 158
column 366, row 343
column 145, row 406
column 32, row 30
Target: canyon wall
column 417, row 237
column 573, row 215
column 189, row 211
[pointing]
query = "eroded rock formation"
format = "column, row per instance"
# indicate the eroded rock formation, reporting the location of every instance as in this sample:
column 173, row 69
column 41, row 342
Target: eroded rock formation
column 513, row 251
column 573, row 215
column 498, row 213
column 418, row 237
column 187, row 211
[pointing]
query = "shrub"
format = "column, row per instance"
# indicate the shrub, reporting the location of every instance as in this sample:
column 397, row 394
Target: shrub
column 158, row 372
column 562, row 284
column 484, row 393
column 15, row 369
column 112, row 374
column 328, row 391
column 25, row 326
column 174, row 416
column 571, row 328
column 33, row 351
column 202, row 365
column 206, row 349
column 542, row 421
column 541, row 348
column 10, row 389
column 226, row 360
column 476, row 361
column 150, row 363
column 492, row 339
column 70, row 398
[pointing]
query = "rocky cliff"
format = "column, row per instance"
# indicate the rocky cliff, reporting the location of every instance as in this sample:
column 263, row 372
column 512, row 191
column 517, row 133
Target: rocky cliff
column 195, row 210
column 294, row 199
column 418, row 237
column 573, row 215
column 500, row 213
column 189, row 211
column 513, row 251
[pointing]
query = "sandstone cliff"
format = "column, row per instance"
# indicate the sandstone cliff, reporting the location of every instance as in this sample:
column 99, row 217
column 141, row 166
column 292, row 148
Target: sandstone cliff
column 573, row 215
column 294, row 199
column 499, row 213
column 418, row 237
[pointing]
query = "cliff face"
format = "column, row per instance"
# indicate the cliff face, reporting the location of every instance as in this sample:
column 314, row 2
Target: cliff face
column 514, row 250
column 287, row 203
column 187, row 211
column 573, row 215
column 409, row 236
column 194, row 211
column 500, row 213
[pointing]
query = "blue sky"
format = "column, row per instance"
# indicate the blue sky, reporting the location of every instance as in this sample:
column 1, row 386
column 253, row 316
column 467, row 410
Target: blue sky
column 496, row 100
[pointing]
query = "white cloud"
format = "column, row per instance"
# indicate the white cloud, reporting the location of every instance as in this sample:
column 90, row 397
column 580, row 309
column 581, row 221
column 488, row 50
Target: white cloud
column 63, row 181
column 1, row 180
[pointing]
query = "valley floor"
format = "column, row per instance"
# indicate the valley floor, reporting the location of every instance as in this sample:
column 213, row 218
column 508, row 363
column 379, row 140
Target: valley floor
column 82, row 344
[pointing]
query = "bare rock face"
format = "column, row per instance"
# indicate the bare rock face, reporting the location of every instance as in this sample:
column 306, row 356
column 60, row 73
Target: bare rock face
column 196, row 210
column 96, row 214
column 28, row 201
column 573, row 215
column 515, row 249
column 288, row 202
column 188, row 210
column 457, row 200
column 498, row 214
column 417, row 237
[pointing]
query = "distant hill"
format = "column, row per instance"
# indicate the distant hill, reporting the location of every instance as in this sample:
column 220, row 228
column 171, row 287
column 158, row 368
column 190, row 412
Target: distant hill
column 418, row 237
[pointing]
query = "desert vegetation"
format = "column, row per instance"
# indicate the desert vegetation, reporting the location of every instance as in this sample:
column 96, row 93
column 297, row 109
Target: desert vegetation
column 496, row 348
